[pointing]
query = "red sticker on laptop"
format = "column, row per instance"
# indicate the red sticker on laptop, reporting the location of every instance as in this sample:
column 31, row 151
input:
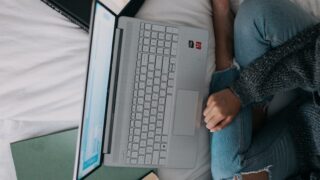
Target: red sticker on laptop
column 198, row 45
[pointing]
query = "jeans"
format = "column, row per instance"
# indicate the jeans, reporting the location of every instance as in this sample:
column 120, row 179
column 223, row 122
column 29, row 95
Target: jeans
column 260, row 25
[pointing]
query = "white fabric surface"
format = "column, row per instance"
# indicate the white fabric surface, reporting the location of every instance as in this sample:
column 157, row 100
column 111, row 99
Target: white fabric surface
column 43, row 59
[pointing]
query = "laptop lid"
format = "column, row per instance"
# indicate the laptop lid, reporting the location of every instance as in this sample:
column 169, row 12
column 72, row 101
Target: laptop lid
column 91, row 130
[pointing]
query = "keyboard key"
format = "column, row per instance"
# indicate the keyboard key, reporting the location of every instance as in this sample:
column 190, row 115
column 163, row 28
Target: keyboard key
column 156, row 88
column 149, row 149
column 152, row 119
column 162, row 101
column 142, row 151
column 147, row 34
column 164, row 78
column 161, row 108
column 135, row 147
column 138, row 124
column 152, row 127
column 175, row 38
column 146, row 41
column 169, row 30
column 134, row 155
column 143, row 77
column 152, row 49
column 165, row 128
column 156, row 146
column 160, row 43
column 133, row 161
column 164, row 138
column 167, row 51
column 167, row 44
column 150, row 135
column 168, row 37
column 154, row 35
column 159, row 131
column 142, row 26
column 157, row 81
column 159, row 124
column 175, row 46
column 170, row 83
column 161, row 36
column 173, row 52
column 163, row 154
column 144, row 135
column 150, row 142
column 175, row 30
column 152, row 58
column 157, row 73
column 139, row 116
column 153, row 42
column 142, row 85
column 165, row 65
column 145, row 49
column 148, row 159
column 136, row 139
column 143, row 143
column 144, row 128
column 155, row 158
column 162, row 93
column 149, row 82
column 148, row 97
column 158, row 28
column 141, row 160
column 149, row 90
column 145, row 120
column 141, row 93
column 157, row 138
column 147, row 26
column 162, row 161
column 160, row 50
column 163, row 146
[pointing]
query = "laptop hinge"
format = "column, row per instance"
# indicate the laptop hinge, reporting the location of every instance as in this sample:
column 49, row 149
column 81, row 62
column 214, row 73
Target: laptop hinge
column 113, row 91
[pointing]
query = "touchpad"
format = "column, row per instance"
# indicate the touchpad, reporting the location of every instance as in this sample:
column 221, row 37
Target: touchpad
column 186, row 113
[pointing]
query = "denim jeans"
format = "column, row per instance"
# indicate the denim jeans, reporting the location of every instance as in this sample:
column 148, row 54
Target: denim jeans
column 260, row 25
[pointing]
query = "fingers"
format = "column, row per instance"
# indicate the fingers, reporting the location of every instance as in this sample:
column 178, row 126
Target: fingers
column 215, row 121
column 224, row 123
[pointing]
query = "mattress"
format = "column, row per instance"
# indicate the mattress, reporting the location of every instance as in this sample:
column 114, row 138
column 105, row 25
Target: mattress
column 43, row 59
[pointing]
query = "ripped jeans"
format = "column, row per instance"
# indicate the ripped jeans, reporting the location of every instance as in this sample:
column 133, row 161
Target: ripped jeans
column 260, row 25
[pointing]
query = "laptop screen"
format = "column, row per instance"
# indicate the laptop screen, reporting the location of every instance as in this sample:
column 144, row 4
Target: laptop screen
column 115, row 5
column 97, row 90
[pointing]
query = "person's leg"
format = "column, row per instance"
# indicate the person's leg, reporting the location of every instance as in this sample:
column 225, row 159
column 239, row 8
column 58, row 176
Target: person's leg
column 260, row 25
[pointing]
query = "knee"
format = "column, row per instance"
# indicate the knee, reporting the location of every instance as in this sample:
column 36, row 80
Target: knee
column 251, row 15
column 224, row 168
column 224, row 165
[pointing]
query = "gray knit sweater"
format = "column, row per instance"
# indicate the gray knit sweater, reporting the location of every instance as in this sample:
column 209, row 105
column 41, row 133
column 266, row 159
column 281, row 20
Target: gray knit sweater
column 295, row 64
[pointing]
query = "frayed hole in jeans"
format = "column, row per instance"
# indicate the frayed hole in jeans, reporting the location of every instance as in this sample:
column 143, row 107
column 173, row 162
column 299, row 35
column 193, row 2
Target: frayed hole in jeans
column 263, row 174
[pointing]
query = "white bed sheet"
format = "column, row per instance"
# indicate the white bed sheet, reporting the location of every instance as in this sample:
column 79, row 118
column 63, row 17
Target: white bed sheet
column 43, row 59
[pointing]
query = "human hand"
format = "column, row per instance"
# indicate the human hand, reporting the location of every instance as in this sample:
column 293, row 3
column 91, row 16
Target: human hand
column 221, row 108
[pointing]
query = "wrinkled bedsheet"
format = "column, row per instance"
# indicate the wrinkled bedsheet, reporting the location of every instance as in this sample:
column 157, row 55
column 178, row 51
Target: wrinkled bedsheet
column 43, row 60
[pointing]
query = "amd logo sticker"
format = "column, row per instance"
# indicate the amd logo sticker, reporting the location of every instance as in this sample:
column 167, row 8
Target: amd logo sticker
column 195, row 44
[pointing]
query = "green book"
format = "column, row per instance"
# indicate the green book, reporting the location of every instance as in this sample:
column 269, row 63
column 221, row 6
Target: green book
column 52, row 157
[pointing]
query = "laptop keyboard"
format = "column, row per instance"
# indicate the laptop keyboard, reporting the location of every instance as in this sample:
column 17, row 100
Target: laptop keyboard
column 152, row 96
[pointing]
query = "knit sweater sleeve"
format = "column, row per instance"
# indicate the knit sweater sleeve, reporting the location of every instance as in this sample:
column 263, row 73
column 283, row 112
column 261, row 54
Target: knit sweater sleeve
column 295, row 64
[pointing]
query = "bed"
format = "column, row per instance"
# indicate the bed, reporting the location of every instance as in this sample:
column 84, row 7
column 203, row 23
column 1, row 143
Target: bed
column 43, row 60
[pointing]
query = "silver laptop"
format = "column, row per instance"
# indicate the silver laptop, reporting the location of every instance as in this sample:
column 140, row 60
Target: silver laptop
column 144, row 93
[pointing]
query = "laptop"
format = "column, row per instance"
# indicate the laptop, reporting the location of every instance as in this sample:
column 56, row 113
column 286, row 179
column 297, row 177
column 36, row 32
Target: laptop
column 145, row 92
column 78, row 11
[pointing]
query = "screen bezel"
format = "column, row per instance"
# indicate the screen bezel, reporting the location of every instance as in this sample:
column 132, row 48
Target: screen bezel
column 93, row 15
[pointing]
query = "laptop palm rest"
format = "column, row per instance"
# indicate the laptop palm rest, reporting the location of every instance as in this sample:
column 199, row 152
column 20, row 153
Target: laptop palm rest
column 186, row 112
